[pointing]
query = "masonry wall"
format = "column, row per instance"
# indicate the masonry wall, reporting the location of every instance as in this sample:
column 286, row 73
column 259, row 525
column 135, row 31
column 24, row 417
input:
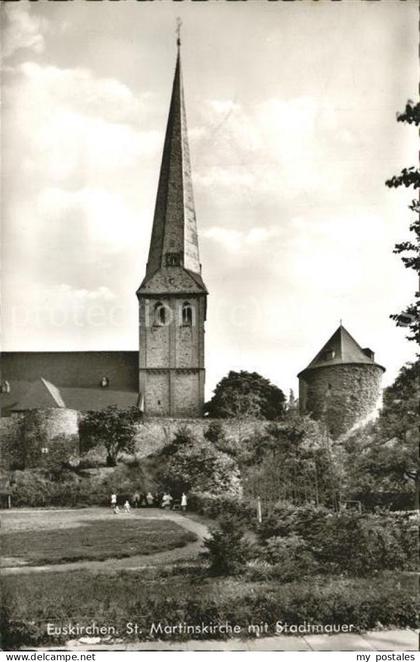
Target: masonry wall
column 44, row 428
column 172, row 357
column 154, row 433
column 21, row 438
column 12, row 448
column 341, row 395
column 155, row 385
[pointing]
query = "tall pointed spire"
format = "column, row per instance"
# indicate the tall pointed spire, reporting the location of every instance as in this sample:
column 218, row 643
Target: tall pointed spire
column 174, row 239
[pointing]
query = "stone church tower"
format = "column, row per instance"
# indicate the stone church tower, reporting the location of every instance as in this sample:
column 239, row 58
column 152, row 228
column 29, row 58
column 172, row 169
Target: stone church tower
column 172, row 296
column 341, row 386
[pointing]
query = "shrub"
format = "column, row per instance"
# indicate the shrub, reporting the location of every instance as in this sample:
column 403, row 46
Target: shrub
column 346, row 541
column 189, row 463
column 227, row 550
column 214, row 506
column 290, row 557
column 93, row 458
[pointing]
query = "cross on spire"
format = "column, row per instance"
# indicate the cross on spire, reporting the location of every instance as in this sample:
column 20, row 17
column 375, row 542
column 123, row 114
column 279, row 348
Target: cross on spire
column 178, row 31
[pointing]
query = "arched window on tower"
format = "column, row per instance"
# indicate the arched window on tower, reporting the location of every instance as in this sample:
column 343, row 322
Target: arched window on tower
column 187, row 314
column 161, row 314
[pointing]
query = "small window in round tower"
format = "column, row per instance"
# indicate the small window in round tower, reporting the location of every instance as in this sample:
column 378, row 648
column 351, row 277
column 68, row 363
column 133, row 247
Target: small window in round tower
column 187, row 314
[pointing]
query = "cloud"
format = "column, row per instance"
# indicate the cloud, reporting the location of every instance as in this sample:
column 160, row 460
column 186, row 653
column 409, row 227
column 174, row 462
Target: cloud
column 61, row 316
column 237, row 241
column 80, row 90
column 283, row 148
column 23, row 30
column 73, row 144
column 66, row 124
column 108, row 222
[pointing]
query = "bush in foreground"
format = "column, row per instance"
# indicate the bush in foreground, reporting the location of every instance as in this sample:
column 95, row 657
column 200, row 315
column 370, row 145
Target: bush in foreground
column 227, row 550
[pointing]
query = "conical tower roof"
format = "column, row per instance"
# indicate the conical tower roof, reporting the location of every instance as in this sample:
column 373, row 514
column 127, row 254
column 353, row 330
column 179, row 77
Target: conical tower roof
column 340, row 349
column 174, row 240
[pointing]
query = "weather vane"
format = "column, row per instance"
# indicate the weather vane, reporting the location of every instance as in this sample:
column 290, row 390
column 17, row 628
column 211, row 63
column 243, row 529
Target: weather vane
column 178, row 31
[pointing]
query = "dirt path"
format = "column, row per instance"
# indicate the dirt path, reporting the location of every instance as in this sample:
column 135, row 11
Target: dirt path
column 189, row 552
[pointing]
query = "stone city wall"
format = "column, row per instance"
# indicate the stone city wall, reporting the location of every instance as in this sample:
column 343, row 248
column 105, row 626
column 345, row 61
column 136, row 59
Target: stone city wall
column 154, row 433
column 12, row 448
column 22, row 437
column 43, row 428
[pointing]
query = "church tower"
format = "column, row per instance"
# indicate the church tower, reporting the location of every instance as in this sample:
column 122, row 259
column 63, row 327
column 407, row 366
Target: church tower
column 172, row 297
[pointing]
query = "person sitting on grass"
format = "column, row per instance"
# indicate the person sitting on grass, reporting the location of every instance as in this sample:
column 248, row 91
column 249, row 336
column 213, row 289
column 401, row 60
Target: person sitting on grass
column 167, row 501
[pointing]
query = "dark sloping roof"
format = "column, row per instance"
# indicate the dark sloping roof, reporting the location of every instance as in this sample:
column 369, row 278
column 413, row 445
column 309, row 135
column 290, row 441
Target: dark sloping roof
column 24, row 396
column 10, row 401
column 84, row 399
column 84, row 369
column 40, row 395
column 68, row 379
column 341, row 348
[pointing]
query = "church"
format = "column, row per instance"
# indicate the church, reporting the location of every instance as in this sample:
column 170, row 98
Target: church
column 166, row 376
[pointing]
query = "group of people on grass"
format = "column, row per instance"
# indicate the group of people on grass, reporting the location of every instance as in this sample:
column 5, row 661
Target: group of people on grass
column 140, row 500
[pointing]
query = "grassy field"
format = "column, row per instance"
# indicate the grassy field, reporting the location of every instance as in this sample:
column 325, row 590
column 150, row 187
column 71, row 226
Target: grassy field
column 92, row 540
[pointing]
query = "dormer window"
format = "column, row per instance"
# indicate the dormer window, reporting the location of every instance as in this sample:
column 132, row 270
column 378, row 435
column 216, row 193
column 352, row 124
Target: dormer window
column 104, row 382
column 329, row 354
column 368, row 352
column 187, row 314
column 160, row 317
column 173, row 259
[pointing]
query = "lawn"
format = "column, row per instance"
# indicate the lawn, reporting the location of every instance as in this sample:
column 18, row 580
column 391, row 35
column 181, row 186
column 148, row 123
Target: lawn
column 92, row 540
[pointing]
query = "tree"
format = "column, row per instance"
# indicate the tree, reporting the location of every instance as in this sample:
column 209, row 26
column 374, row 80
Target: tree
column 246, row 395
column 399, row 421
column 382, row 458
column 190, row 463
column 113, row 428
column 399, row 416
column 292, row 403
column 227, row 549
column 291, row 460
column 409, row 250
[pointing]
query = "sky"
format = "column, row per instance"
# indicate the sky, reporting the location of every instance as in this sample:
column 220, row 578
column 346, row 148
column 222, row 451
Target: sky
column 291, row 110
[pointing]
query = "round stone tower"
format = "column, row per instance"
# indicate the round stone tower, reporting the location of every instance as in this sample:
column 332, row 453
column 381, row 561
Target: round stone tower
column 341, row 385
